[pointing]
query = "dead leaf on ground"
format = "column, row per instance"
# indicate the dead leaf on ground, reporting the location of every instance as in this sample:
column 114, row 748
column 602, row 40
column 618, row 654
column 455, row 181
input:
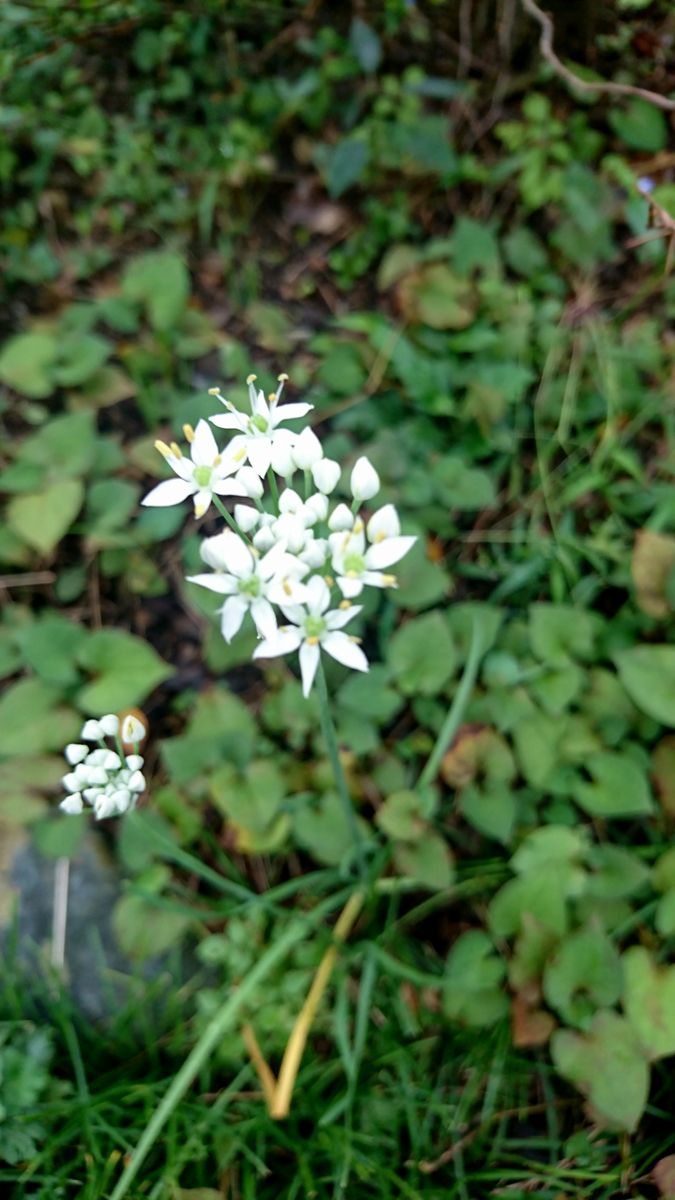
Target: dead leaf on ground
column 664, row 1176
column 652, row 564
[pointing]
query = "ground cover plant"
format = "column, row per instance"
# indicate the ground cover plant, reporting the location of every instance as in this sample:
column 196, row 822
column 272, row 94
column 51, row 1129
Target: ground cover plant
column 460, row 259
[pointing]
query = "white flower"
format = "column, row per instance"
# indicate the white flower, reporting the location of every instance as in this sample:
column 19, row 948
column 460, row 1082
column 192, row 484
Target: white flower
column 314, row 629
column 316, row 508
column 356, row 565
column 264, row 539
column 132, row 730
column 326, row 474
column 341, row 518
column 259, row 434
column 307, row 450
column 282, row 457
column 244, row 579
column 365, row 481
column 110, row 725
column 290, row 501
column 134, row 762
column 314, row 554
column 201, row 476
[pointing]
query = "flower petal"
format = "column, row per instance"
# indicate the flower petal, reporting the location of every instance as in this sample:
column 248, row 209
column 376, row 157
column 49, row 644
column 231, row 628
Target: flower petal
column 171, row 491
column 349, row 587
column 229, row 421
column 202, row 502
column 341, row 647
column 384, row 554
column 204, row 448
column 228, row 487
column 318, row 595
column 224, row 585
column 284, row 641
column 289, row 412
column 383, row 524
column 263, row 617
column 259, row 452
column 232, row 615
column 339, row 617
column 309, row 661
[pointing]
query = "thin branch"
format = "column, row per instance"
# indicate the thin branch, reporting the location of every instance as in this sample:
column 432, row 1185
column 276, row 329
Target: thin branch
column 586, row 85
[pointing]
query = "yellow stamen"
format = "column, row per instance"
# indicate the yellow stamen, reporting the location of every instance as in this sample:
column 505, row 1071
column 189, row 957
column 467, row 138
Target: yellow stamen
column 329, row 580
column 214, row 391
column 272, row 397
column 345, row 604
column 251, row 378
column 200, row 507
column 358, row 526
column 217, row 460
column 164, row 450
column 283, row 377
column 352, row 574
column 175, row 449
column 287, row 587
column 357, row 640
column 188, row 433
column 312, row 641
column 389, row 581
column 379, row 537
column 240, row 454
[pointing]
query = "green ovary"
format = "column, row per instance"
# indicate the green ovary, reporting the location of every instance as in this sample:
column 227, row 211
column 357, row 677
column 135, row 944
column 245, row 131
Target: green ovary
column 203, row 476
column 250, row 587
column 260, row 423
column 354, row 564
column 315, row 626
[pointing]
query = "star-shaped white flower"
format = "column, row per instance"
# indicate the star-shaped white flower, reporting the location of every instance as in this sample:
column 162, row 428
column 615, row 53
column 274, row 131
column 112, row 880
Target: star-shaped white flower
column 201, row 475
column 258, row 435
column 249, row 582
column 357, row 565
column 314, row 629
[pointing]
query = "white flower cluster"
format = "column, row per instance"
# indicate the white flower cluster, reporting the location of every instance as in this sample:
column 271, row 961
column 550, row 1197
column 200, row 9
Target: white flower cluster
column 285, row 551
column 111, row 781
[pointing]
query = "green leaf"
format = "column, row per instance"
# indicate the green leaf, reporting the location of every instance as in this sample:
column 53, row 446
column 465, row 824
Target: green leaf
column 23, row 784
column 59, row 836
column 221, row 729
column 549, row 845
column 31, row 720
column 80, row 356
column 559, row 632
column 492, row 810
column 64, row 446
column 583, row 975
column 26, row 364
column 473, row 990
column 144, row 930
column 649, row 1002
column 370, row 695
column 608, row 1066
column 160, row 281
column 366, row 45
column 422, row 655
column 664, row 917
column 41, row 519
column 619, row 787
column 648, row 675
column 49, row 646
column 345, row 164
column 428, row 862
column 460, row 486
column 538, row 898
column 110, row 504
column 404, row 815
column 253, row 805
column 536, row 743
column 641, row 125
column 126, row 669
column 323, row 829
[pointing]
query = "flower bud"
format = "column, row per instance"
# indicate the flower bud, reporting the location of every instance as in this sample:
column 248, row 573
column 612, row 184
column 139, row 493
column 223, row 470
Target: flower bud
column 91, row 731
column 250, row 481
column 132, row 729
column 282, row 457
column 264, row 539
column 316, row 508
column 72, row 804
column 246, row 517
column 104, row 806
column 341, row 519
column 75, row 753
column 365, row 481
column 72, row 782
column 289, row 501
column 291, row 529
column 137, row 782
column 134, row 761
column 307, row 450
column 109, row 724
column 326, row 474
column 315, row 553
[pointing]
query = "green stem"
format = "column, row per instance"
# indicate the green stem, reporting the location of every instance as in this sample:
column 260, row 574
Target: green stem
column 229, row 518
column 217, row 1027
column 330, row 738
column 457, row 709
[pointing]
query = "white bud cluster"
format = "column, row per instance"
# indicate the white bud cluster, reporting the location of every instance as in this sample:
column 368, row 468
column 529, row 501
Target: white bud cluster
column 109, row 780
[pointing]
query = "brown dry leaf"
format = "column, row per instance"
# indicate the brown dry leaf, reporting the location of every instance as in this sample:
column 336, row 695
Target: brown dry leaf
column 652, row 563
column 663, row 773
column 435, row 296
column 460, row 763
column 529, row 1026
column 664, row 1176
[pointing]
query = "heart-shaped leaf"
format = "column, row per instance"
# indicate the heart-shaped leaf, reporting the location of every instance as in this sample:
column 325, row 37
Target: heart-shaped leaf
column 42, row 518
column 606, row 1064
column 126, row 670
column 648, row 675
column 649, row 1001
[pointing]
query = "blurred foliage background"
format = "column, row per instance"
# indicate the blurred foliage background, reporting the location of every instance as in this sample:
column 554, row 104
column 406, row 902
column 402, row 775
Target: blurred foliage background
column 455, row 255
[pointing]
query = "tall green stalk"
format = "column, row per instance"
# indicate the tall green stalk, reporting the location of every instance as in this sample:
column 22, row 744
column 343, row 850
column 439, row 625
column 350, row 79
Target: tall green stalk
column 330, row 738
column 458, row 707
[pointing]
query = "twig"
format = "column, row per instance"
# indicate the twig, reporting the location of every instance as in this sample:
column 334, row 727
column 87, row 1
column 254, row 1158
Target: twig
column 60, row 912
column 268, row 1081
column 27, row 579
column 586, row 85
column 290, row 1064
